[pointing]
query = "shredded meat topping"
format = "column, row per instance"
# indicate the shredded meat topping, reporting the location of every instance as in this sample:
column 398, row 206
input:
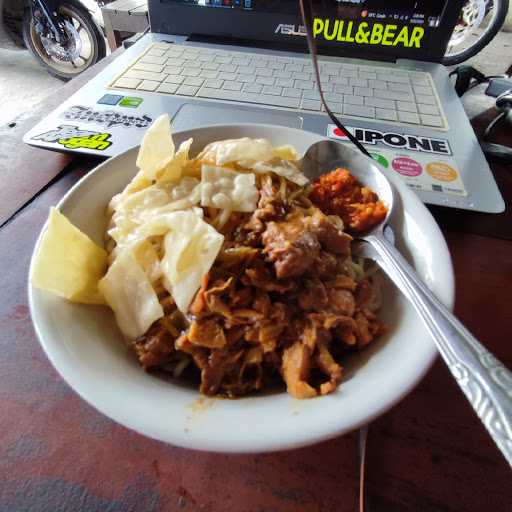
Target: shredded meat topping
column 279, row 303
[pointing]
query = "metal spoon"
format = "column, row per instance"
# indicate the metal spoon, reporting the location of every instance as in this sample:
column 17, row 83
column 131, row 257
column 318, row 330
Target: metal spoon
column 484, row 380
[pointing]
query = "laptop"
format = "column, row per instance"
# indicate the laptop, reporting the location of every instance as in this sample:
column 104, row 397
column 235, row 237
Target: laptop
column 211, row 62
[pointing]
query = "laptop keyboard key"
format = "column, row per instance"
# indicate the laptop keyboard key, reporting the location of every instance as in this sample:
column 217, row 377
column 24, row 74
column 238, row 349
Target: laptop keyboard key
column 400, row 87
column 393, row 95
column 294, row 67
column 232, row 86
column 228, row 68
column 418, row 89
column 255, row 88
column 148, row 85
column 301, row 76
column 282, row 74
column 356, row 110
column 213, row 84
column 211, row 65
column 167, row 88
column 408, row 117
column 191, row 72
column 427, row 100
column 435, row 121
column 386, row 114
column 144, row 66
column 428, row 109
column 330, row 96
column 249, row 79
column 153, row 59
column 358, row 82
column 337, row 108
column 223, row 76
column 349, row 73
column 145, row 75
column 407, row 106
column 304, row 84
column 174, row 79
column 380, row 103
column 353, row 100
column 377, row 84
column 311, row 105
column 285, row 82
column 187, row 90
column 156, row 53
column 292, row 93
column 265, row 80
column 269, row 89
column 363, row 91
column 311, row 95
column 344, row 89
column 209, row 73
column 420, row 80
column 127, row 83
column 194, row 80
column 263, row 72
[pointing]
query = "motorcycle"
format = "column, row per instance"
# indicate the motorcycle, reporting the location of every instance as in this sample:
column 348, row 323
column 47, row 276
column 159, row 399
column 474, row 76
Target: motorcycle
column 478, row 24
column 62, row 34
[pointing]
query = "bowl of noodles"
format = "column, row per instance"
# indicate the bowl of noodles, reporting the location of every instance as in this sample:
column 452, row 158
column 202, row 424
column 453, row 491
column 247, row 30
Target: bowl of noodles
column 201, row 291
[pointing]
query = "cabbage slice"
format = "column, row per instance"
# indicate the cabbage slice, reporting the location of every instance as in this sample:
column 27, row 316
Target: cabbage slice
column 190, row 249
column 128, row 291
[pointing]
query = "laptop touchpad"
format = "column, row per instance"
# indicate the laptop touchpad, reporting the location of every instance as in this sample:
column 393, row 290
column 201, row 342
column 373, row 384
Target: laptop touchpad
column 194, row 116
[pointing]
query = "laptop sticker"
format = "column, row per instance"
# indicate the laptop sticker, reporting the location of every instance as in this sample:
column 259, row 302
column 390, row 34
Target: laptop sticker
column 130, row 102
column 110, row 99
column 424, row 164
column 107, row 118
column 395, row 140
column 72, row 137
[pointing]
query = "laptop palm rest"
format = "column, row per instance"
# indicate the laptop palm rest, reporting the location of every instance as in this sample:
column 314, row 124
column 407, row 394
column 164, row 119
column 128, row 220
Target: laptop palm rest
column 195, row 116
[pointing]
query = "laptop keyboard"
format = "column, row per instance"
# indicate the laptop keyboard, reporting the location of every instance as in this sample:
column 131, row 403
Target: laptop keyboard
column 361, row 91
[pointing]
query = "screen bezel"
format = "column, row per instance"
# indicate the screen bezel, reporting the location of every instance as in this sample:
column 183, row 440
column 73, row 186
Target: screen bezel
column 238, row 26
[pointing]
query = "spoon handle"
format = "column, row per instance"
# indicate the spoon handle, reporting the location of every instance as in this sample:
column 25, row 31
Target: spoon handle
column 486, row 383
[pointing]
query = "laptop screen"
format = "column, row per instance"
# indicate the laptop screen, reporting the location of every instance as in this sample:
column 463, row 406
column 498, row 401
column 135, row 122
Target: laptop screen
column 415, row 29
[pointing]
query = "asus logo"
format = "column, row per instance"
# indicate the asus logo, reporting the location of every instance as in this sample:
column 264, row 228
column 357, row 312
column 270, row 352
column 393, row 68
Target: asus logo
column 290, row 30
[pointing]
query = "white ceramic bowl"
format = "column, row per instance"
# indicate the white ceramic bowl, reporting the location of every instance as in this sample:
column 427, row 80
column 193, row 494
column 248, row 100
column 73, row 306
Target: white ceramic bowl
column 85, row 347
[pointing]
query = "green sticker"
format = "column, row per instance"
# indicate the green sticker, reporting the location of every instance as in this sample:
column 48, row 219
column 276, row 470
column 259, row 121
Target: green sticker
column 380, row 159
column 130, row 101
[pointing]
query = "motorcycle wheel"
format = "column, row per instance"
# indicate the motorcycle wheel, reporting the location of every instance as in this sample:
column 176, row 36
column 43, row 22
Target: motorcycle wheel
column 498, row 13
column 85, row 47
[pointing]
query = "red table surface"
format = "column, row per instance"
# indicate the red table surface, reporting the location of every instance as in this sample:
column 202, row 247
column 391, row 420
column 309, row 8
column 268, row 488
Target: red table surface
column 430, row 453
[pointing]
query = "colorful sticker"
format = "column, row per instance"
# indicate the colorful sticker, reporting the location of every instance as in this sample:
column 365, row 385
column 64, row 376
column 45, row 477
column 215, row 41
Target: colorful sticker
column 110, row 99
column 380, row 160
column 406, row 166
column 441, row 171
column 72, row 137
column 109, row 118
column 393, row 140
column 130, row 102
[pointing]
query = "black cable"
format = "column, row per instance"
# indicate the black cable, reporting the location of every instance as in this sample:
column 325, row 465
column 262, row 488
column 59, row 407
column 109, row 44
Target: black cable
column 499, row 118
column 307, row 16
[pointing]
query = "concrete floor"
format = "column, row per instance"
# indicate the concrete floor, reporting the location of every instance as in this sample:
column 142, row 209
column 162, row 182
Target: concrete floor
column 23, row 83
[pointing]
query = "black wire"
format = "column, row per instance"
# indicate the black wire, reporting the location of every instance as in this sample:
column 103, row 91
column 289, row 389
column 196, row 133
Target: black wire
column 495, row 122
column 307, row 16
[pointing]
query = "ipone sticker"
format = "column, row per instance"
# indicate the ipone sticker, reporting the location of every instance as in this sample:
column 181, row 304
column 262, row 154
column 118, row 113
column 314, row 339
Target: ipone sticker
column 393, row 140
